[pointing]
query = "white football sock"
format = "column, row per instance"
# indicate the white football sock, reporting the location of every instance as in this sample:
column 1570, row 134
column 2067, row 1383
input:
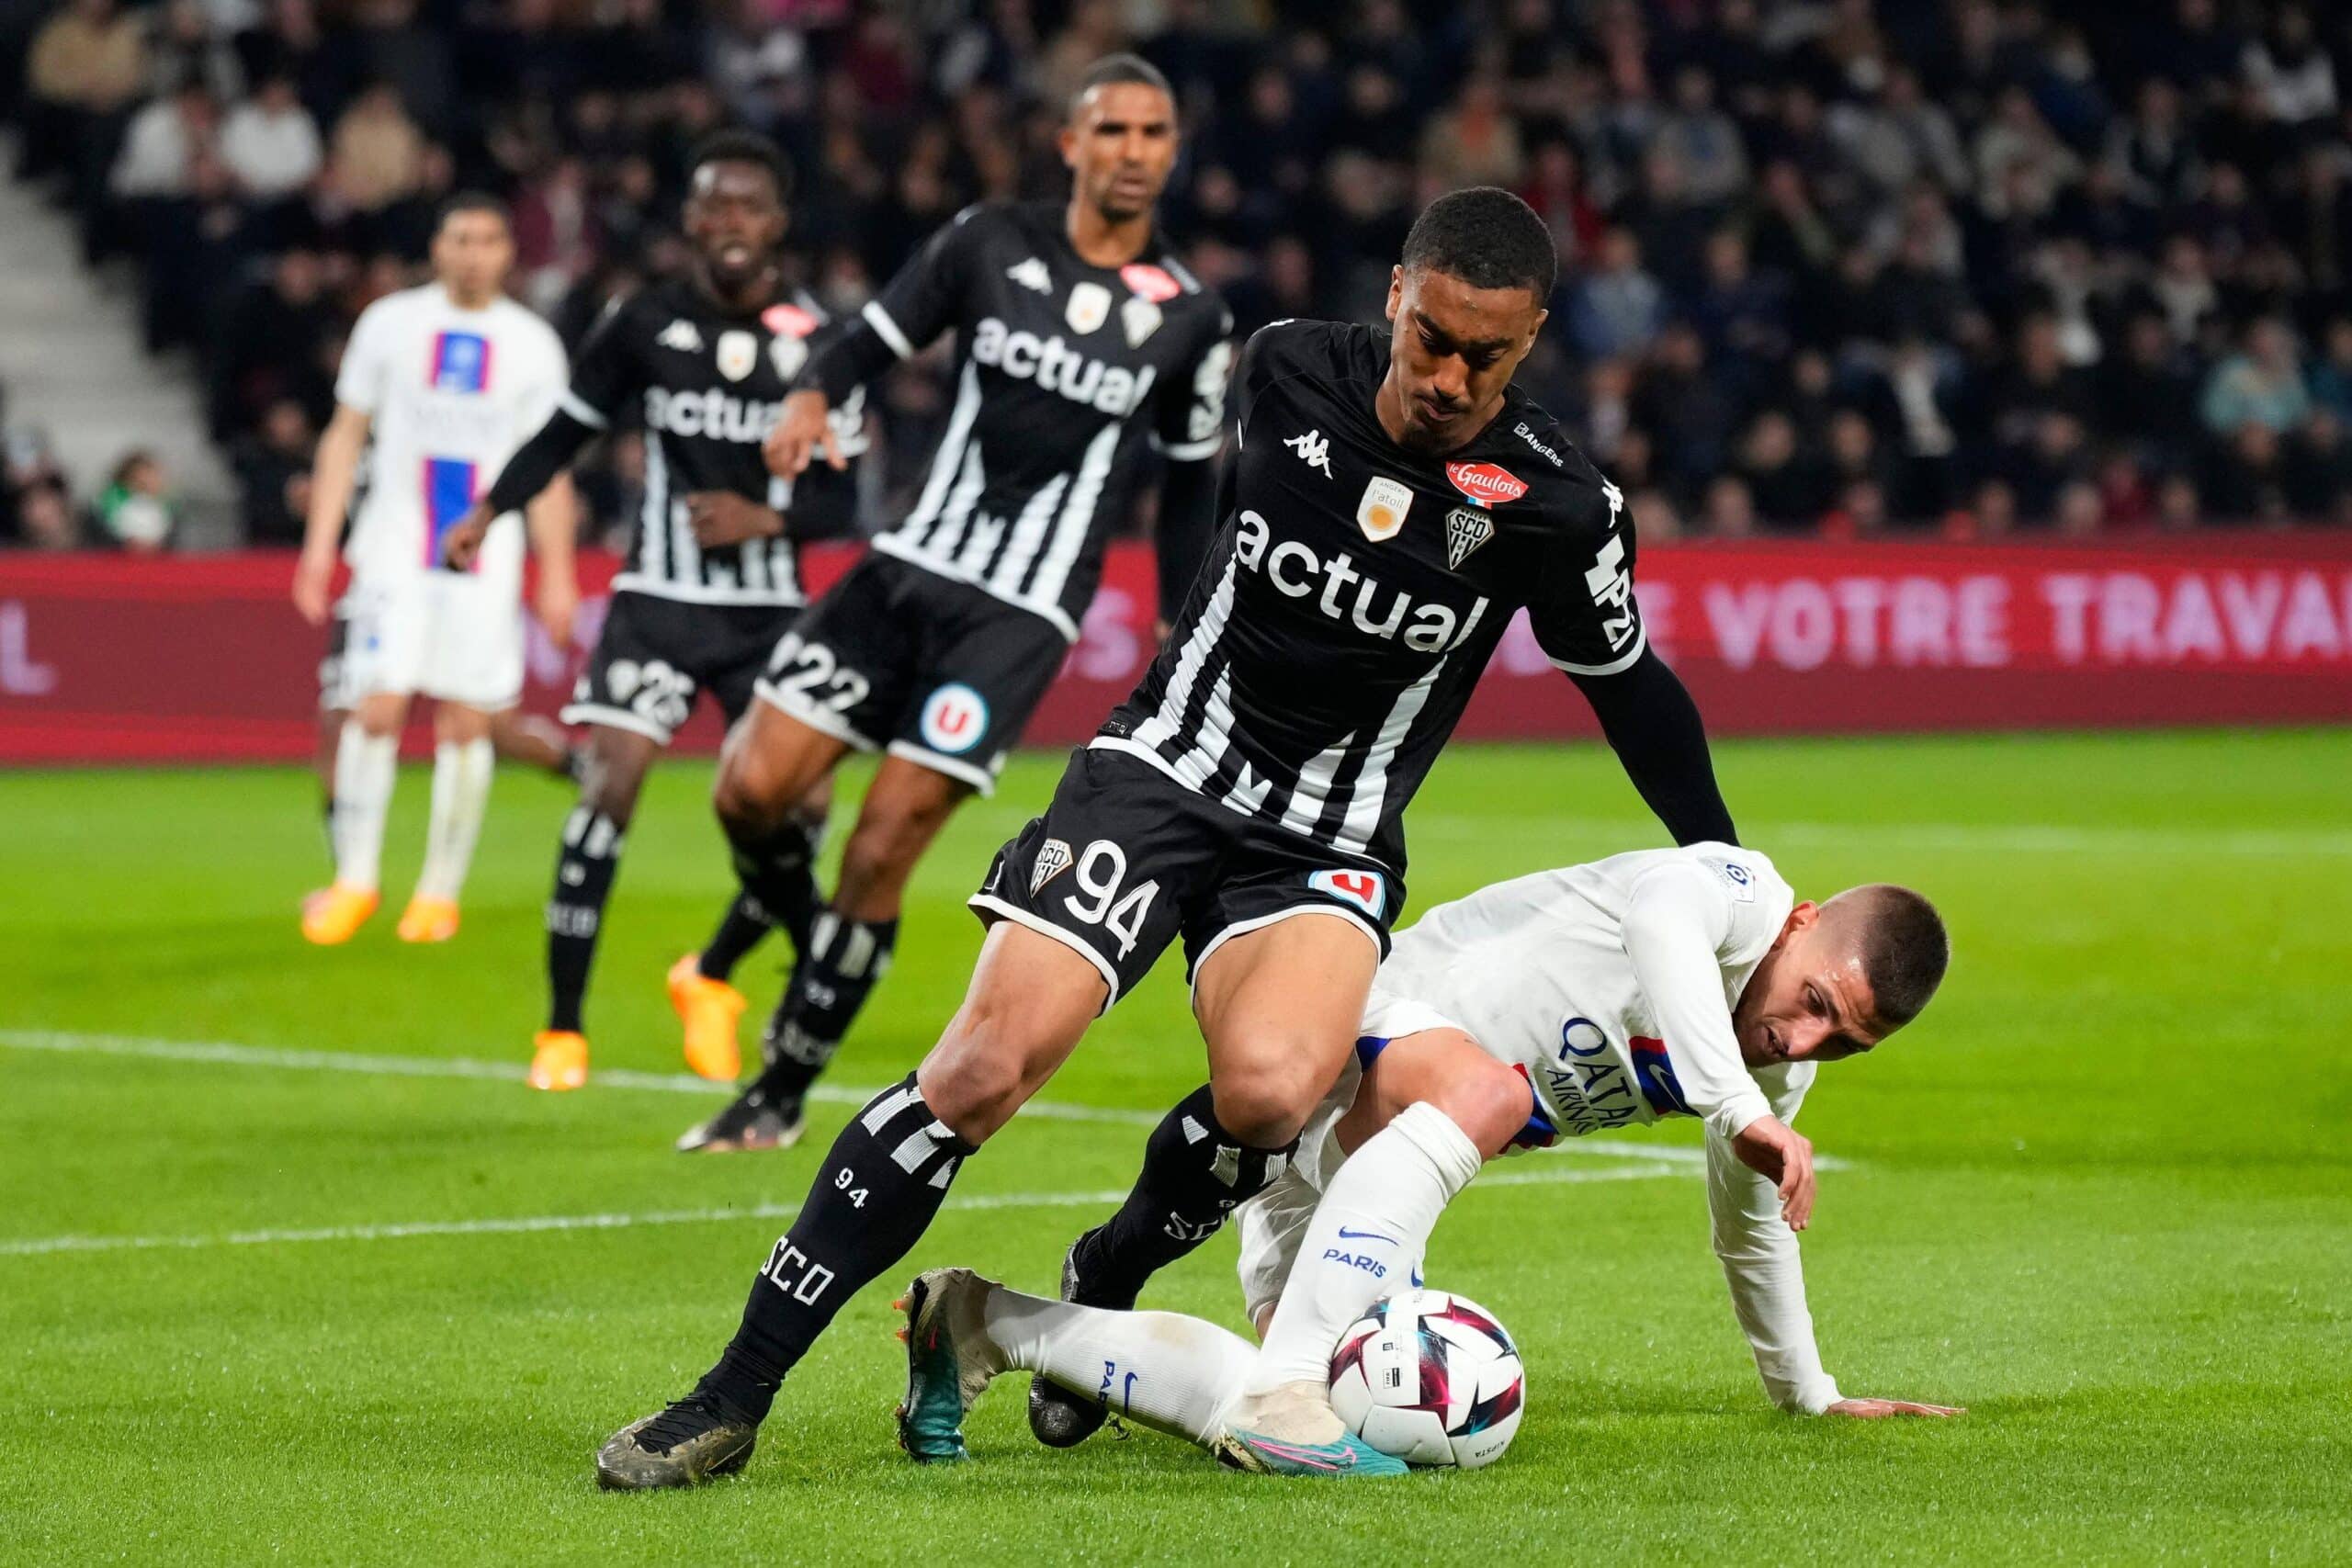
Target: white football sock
column 1369, row 1231
column 461, row 773
column 364, row 765
column 1172, row 1373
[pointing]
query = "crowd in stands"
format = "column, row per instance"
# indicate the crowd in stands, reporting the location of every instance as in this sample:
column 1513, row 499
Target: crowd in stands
column 1968, row 265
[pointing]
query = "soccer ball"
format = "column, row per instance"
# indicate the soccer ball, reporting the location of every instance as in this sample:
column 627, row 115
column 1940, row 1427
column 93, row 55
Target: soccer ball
column 1431, row 1378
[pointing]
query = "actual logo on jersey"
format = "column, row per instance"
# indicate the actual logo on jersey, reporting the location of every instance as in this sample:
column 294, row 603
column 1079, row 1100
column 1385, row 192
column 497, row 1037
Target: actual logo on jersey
column 1486, row 484
column 739, row 354
column 1527, row 436
column 681, row 335
column 460, row 361
column 1367, row 890
column 1313, row 450
column 1465, row 530
column 1054, row 857
column 1152, row 282
column 1382, row 511
column 1088, row 308
column 1655, row 1070
column 1031, row 275
column 1139, row 319
column 954, row 719
column 1741, row 880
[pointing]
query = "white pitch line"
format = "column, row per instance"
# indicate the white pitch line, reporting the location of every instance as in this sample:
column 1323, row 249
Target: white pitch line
column 533, row 1224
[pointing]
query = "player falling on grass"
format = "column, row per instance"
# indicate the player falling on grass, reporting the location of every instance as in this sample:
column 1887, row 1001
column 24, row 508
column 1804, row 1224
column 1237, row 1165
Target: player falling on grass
column 447, row 379
column 1391, row 503
column 711, row 581
column 1080, row 338
column 1663, row 983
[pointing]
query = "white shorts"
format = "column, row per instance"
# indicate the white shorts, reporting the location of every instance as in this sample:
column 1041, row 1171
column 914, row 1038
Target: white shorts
column 1272, row 1225
column 452, row 636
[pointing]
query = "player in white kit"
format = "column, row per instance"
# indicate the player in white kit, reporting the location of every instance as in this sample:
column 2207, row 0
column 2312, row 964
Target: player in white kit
column 1685, row 982
column 449, row 378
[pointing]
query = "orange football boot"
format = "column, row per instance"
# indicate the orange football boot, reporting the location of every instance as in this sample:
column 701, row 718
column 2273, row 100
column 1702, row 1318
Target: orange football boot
column 429, row 920
column 333, row 915
column 709, row 1009
column 558, row 1059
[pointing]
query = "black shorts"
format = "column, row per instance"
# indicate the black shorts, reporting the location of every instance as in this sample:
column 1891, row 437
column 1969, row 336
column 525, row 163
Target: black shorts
column 897, row 659
column 654, row 655
column 1125, row 859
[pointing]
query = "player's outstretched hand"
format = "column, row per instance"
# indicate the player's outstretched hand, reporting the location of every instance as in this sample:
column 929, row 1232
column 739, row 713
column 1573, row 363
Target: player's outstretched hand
column 1770, row 1146
column 1880, row 1409
column 463, row 541
column 314, row 585
column 558, row 605
column 722, row 517
column 801, row 433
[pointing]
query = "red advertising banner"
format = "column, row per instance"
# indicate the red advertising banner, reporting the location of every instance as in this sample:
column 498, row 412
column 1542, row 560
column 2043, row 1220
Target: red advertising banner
column 182, row 659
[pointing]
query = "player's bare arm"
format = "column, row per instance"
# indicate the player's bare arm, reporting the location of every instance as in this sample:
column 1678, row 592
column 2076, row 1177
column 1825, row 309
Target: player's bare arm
column 721, row 517
column 552, row 519
column 332, row 475
column 804, row 432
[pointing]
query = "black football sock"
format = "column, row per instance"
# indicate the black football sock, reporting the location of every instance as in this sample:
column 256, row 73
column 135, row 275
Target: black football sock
column 740, row 931
column 584, row 880
column 876, row 1192
column 777, row 867
column 838, row 967
column 1194, row 1174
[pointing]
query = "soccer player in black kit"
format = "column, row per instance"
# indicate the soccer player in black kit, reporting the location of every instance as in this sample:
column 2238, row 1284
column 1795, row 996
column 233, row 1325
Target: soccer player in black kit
column 1081, row 342
column 711, row 580
column 1389, row 502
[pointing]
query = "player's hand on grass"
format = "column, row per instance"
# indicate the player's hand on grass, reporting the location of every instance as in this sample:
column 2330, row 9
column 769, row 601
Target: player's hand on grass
column 557, row 604
column 721, row 517
column 463, row 542
column 802, row 433
column 1880, row 1409
column 1772, row 1147
column 314, row 585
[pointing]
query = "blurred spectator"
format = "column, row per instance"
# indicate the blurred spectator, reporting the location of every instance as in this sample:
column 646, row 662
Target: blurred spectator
column 378, row 153
column 272, row 467
column 2262, row 385
column 271, row 143
column 135, row 509
column 45, row 519
column 1616, row 309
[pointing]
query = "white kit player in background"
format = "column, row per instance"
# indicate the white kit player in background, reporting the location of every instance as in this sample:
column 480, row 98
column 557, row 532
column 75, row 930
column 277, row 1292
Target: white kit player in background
column 1600, row 997
column 449, row 378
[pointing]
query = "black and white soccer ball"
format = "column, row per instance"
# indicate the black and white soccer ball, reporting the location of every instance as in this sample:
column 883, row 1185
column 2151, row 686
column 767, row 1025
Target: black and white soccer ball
column 1431, row 1377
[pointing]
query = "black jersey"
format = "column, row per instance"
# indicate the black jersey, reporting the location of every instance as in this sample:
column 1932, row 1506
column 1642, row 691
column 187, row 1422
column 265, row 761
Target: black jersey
column 707, row 385
column 1356, row 589
column 1063, row 370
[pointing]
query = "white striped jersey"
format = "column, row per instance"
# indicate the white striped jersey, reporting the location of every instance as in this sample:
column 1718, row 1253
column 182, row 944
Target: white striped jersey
column 1355, row 591
column 707, row 385
column 1064, row 370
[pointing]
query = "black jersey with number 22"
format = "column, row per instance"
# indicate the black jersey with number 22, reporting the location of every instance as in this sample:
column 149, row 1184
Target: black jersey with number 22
column 1356, row 589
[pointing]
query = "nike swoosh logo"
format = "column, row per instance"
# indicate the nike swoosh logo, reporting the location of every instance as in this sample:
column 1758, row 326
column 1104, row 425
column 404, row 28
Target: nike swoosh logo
column 1347, row 1235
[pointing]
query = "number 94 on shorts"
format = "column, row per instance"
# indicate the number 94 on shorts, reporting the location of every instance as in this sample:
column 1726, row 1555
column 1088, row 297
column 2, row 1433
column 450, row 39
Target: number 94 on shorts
column 1127, row 860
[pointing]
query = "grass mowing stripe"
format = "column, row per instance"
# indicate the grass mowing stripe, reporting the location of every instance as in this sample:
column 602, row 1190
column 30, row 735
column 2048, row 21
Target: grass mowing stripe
column 530, row 1224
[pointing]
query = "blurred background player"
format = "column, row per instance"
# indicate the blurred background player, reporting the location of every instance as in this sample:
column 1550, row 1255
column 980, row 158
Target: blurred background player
column 711, row 582
column 447, row 378
column 1663, row 983
column 1079, row 338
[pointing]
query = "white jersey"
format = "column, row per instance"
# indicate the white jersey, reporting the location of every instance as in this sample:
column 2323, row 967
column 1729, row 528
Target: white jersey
column 1612, row 987
column 450, row 394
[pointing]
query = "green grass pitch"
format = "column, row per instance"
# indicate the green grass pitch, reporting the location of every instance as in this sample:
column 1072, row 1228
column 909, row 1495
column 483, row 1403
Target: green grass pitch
column 2100, row 1195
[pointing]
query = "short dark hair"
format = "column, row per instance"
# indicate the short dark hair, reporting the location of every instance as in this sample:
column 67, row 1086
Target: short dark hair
column 744, row 147
column 1113, row 70
column 1904, row 947
column 1488, row 238
column 469, row 201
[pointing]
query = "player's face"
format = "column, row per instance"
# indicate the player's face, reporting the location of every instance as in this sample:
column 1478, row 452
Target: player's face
column 1453, row 349
column 1809, row 1000
column 1120, row 147
column 735, row 219
column 471, row 253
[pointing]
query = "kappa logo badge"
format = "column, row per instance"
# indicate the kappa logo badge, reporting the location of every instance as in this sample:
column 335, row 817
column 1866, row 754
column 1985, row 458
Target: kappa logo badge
column 1382, row 511
column 1152, row 282
column 1367, row 890
column 1052, row 858
column 1031, row 275
column 739, row 353
column 1465, row 530
column 1139, row 319
column 1313, row 450
column 1088, row 308
column 1486, row 484
column 681, row 335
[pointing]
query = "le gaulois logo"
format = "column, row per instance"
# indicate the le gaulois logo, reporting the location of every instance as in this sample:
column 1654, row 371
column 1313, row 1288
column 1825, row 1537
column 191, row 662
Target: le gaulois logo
column 1152, row 282
column 788, row 320
column 1487, row 484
